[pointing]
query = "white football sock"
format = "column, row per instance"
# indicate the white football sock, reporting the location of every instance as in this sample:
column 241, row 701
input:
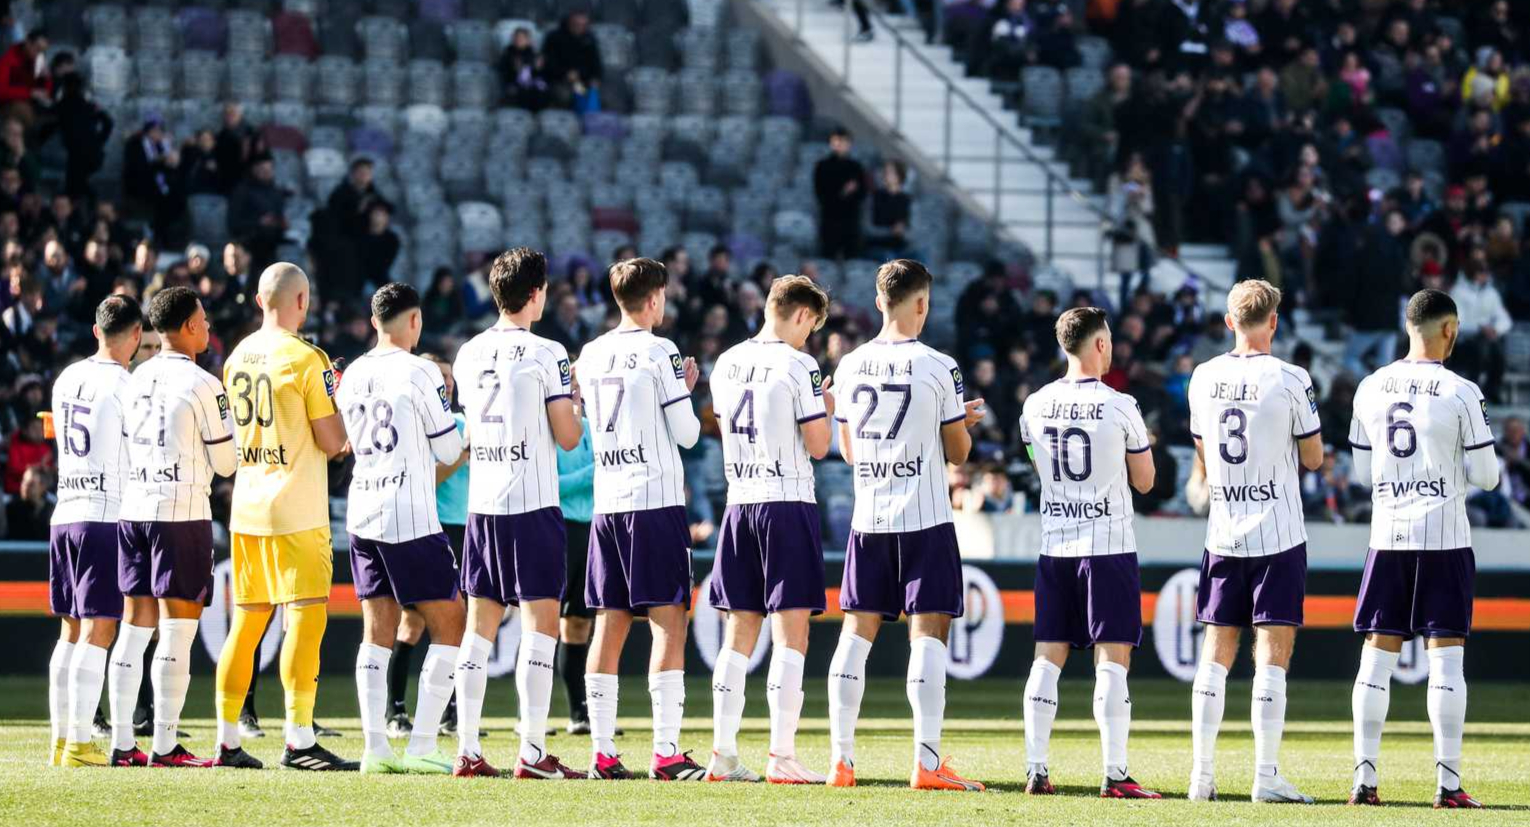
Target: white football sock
column 58, row 689
column 666, row 691
column 87, row 671
column 927, row 696
column 436, row 684
column 1447, row 712
column 1040, row 712
column 1368, row 703
column 728, row 700
column 600, row 699
column 783, row 691
column 124, row 676
column 299, row 737
column 1208, row 700
column 1268, row 715
column 847, row 684
column 171, row 677
column 533, row 689
column 372, row 697
column 1113, row 714
column 228, row 734
column 472, row 678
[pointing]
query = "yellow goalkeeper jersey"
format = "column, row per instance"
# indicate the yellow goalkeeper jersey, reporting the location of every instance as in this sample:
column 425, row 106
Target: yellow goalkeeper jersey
column 277, row 384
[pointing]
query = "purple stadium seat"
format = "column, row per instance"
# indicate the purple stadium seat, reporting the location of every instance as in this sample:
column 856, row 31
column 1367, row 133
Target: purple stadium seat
column 1385, row 153
column 614, row 218
column 369, row 140
column 605, row 125
column 293, row 34
column 280, row 136
column 746, row 248
column 441, row 11
column 203, row 29
column 787, row 94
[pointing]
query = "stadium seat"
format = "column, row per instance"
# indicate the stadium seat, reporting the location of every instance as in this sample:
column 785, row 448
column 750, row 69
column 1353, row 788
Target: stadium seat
column 155, row 31
column 292, row 78
column 383, row 39
column 472, row 40
column 292, row 33
column 249, row 33
column 111, row 72
column 474, row 85
column 108, row 26
column 203, row 29
column 426, row 83
column 698, row 47
column 335, row 81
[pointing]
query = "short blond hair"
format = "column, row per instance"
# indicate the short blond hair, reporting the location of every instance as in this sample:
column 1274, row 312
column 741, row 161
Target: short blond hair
column 788, row 293
column 1251, row 302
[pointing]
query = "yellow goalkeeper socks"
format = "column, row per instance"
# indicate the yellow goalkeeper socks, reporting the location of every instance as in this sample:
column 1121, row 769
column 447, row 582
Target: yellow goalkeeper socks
column 236, row 665
column 300, row 660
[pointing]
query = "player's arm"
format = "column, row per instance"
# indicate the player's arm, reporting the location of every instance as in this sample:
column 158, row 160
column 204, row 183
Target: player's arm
column 677, row 377
column 845, row 449
column 1482, row 467
column 1307, row 430
column 1360, row 449
column 318, row 383
column 1310, row 449
column 1140, row 470
column 567, row 427
column 813, row 404
column 957, row 416
column 217, row 429
column 329, row 435
column 558, row 379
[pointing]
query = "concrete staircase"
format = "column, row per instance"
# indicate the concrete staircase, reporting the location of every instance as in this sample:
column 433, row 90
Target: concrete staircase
column 1009, row 183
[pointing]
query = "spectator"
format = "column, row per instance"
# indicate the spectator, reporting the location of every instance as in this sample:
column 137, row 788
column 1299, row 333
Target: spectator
column 565, row 326
column 1486, row 84
column 839, row 183
column 1133, row 242
column 891, row 209
column 1097, row 125
column 256, row 213
column 84, row 128
column 28, row 448
column 521, row 73
column 24, row 90
column 14, row 153
column 29, row 514
column 237, row 145
column 1375, row 296
column 1479, row 354
column 1303, row 83
column 1431, row 94
column 199, row 163
column 379, row 246
column 1011, row 40
column 150, row 174
column 571, row 60
column 442, row 305
column 243, row 282
column 1514, row 448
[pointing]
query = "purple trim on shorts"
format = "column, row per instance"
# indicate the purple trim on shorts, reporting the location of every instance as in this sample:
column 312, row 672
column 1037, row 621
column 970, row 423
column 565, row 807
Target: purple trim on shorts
column 814, row 418
column 676, row 399
column 514, row 558
column 442, row 432
column 1427, row 593
column 769, row 559
column 639, row 559
column 410, row 572
column 166, row 559
column 82, row 570
column 912, row 572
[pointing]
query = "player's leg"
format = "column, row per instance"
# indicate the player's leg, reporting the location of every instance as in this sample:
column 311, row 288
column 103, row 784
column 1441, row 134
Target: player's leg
column 124, row 675
column 170, row 674
column 576, row 622
column 1273, row 647
column 379, row 622
column 1208, row 703
column 1040, row 709
column 794, row 591
column 58, row 687
column 741, row 631
column 472, row 671
column 1369, row 702
column 533, row 686
column 611, row 629
column 87, row 672
column 930, row 580
column 1447, row 717
column 783, row 692
column 1114, row 590
column 666, row 692
column 446, row 621
column 847, row 687
column 411, row 627
column 251, row 615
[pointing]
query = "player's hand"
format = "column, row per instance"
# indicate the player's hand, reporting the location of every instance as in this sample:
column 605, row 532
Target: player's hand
column 692, row 373
column 828, row 397
column 975, row 412
column 573, row 389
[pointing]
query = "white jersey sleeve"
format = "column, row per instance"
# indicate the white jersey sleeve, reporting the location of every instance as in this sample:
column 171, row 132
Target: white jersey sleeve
column 1249, row 411
column 763, row 391
column 176, row 415
column 391, row 403
column 92, row 454
column 505, row 378
column 894, row 396
column 1420, row 425
column 1080, row 433
column 628, row 378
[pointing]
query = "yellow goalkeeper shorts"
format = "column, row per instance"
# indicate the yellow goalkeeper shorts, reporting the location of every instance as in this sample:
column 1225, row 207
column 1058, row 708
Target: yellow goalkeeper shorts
column 283, row 568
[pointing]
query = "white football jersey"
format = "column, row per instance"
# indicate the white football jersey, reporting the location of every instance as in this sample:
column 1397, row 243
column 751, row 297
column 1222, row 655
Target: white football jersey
column 92, row 455
column 1418, row 420
column 627, row 378
column 505, row 378
column 1249, row 411
column 1081, row 432
column 895, row 396
column 173, row 411
column 763, row 391
column 398, row 418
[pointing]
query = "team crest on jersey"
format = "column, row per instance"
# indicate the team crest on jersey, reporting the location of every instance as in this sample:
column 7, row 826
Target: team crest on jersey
column 564, row 374
column 1312, row 398
column 816, row 377
column 222, row 406
column 329, row 382
column 679, row 366
column 446, row 399
column 956, row 379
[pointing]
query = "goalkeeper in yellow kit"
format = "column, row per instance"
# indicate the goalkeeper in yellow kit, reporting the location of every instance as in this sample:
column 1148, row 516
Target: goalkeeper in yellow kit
column 281, row 389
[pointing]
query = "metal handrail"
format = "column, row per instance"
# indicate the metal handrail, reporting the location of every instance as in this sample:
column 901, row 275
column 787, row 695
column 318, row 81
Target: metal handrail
column 1001, row 134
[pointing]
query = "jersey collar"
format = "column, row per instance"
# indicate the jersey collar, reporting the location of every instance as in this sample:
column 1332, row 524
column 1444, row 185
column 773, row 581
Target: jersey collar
column 894, row 341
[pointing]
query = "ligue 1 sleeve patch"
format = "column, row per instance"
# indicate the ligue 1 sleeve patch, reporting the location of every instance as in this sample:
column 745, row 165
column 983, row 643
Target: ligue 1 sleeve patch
column 1485, row 418
column 1312, row 398
column 222, row 407
column 956, row 379
column 330, row 382
column 679, row 365
column 816, row 379
column 564, row 374
column 446, row 399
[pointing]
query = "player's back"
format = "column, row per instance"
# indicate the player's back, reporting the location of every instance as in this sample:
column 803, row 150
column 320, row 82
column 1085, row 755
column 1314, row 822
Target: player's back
column 172, row 410
column 505, row 378
column 92, row 455
column 627, row 378
column 762, row 392
column 895, row 396
column 278, row 383
column 1418, row 420
column 1081, row 431
column 393, row 404
column 1249, row 411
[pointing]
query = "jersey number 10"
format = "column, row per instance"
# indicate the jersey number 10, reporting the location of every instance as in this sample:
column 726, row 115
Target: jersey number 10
column 1062, row 458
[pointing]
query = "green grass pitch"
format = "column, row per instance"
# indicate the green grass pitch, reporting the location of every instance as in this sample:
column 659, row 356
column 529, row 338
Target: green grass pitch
column 983, row 732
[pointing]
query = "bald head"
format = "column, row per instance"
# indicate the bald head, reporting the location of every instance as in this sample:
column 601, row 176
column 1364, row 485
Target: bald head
column 283, row 294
